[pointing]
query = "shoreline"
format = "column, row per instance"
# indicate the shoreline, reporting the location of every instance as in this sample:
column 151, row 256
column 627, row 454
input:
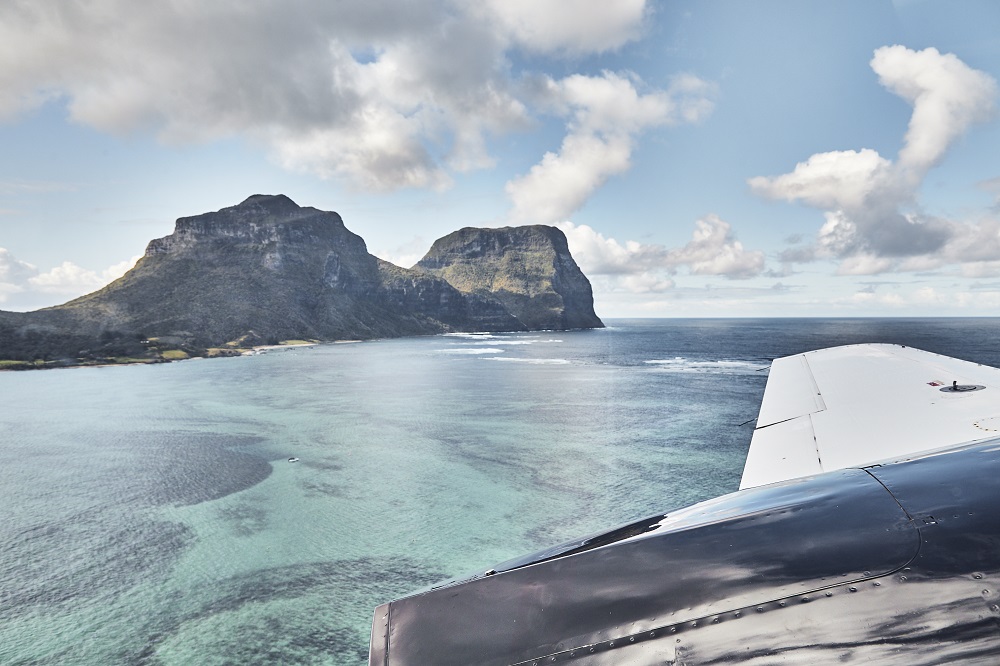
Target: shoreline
column 167, row 356
column 263, row 349
column 174, row 355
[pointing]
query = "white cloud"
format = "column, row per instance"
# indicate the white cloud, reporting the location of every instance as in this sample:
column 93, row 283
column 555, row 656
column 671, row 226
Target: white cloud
column 562, row 182
column 646, row 283
column 598, row 255
column 864, row 264
column 381, row 93
column 605, row 113
column 981, row 269
column 929, row 296
column 714, row 250
column 693, row 98
column 13, row 270
column 573, row 26
column 67, row 280
column 873, row 220
column 379, row 153
column 838, row 236
column 891, row 300
column 839, row 179
column 976, row 242
column 947, row 96
column 14, row 273
column 405, row 254
column 71, row 280
column 643, row 268
column 916, row 298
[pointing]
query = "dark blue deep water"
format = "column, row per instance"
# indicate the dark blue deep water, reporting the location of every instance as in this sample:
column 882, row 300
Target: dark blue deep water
column 151, row 516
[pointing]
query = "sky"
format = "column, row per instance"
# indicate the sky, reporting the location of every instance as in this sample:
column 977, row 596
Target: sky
column 715, row 158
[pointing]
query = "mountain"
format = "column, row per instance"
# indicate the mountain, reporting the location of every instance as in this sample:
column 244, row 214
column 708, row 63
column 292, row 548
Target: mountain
column 268, row 270
column 528, row 269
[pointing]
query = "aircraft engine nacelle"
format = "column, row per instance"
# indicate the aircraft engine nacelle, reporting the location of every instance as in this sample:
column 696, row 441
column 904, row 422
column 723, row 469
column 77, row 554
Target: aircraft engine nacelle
column 890, row 564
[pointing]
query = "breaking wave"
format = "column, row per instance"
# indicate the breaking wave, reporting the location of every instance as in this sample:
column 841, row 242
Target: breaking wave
column 720, row 367
column 473, row 336
column 530, row 361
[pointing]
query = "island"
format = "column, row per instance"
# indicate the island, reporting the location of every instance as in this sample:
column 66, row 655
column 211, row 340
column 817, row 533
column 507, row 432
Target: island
column 269, row 272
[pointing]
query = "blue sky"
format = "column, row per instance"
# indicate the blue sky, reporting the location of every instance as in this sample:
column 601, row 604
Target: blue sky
column 740, row 158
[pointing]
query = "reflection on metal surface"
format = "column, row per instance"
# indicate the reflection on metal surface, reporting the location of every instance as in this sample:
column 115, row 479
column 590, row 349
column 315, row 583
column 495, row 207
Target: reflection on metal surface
column 829, row 569
column 989, row 424
column 718, row 557
column 961, row 388
column 894, row 563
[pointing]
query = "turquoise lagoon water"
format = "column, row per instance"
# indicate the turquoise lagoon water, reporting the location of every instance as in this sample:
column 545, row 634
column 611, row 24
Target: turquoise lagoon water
column 151, row 515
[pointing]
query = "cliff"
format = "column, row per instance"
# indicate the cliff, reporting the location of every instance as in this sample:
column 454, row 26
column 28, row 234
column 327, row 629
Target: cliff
column 528, row 269
column 268, row 270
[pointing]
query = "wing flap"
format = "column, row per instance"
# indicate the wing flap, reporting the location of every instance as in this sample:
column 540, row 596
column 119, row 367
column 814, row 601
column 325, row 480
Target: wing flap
column 795, row 395
column 789, row 447
column 860, row 404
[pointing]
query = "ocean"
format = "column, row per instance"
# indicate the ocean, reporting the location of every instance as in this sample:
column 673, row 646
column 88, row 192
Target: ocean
column 151, row 514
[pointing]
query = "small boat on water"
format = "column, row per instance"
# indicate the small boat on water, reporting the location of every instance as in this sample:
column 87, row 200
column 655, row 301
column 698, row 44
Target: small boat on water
column 293, row 459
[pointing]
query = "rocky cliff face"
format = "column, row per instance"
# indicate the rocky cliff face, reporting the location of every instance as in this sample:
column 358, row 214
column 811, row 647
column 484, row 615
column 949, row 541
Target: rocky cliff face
column 528, row 269
column 269, row 270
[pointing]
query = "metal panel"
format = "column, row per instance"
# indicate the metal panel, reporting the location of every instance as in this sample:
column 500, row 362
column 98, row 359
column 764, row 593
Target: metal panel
column 782, row 451
column 942, row 608
column 379, row 647
column 791, row 392
column 730, row 553
column 882, row 402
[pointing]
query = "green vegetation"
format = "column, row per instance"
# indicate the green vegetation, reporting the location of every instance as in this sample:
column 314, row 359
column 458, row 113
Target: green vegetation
column 529, row 270
column 19, row 365
column 217, row 352
column 267, row 272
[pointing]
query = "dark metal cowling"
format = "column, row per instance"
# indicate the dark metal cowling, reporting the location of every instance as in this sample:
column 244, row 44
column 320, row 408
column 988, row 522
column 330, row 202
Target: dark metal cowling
column 892, row 564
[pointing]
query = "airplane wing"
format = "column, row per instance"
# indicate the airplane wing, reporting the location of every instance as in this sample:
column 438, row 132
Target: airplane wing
column 867, row 532
column 860, row 404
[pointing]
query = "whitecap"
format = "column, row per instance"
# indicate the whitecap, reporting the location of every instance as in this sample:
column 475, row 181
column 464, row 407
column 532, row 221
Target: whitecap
column 532, row 361
column 721, row 366
column 474, row 350
column 471, row 336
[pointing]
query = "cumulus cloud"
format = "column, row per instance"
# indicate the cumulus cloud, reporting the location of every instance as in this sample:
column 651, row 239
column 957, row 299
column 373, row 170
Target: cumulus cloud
column 605, row 115
column 642, row 268
column 381, row 93
column 406, row 254
column 599, row 255
column 646, row 283
column 714, row 250
column 561, row 183
column 577, row 26
column 71, row 280
column 66, row 280
column 839, row 179
column 947, row 96
column 13, row 271
column 873, row 222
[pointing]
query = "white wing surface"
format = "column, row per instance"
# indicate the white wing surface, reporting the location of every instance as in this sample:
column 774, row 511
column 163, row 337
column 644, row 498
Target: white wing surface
column 860, row 404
